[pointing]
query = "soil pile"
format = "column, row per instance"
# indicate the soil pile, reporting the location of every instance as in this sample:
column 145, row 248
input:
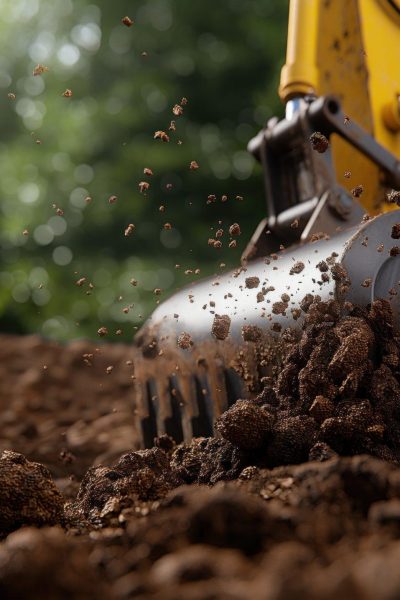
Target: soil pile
column 338, row 392
column 316, row 530
column 298, row 498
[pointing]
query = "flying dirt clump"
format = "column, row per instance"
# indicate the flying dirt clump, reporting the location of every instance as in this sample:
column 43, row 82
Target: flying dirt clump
column 221, row 326
column 28, row 495
column 252, row 282
column 319, row 142
column 184, row 341
column 337, row 391
column 297, row 268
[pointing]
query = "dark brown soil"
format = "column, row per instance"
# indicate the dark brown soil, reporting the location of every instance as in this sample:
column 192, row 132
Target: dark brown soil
column 337, row 392
column 298, row 498
column 55, row 398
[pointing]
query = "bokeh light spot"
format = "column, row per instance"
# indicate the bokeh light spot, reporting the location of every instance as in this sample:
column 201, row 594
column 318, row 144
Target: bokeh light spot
column 68, row 55
column 28, row 193
column 62, row 256
column 43, row 235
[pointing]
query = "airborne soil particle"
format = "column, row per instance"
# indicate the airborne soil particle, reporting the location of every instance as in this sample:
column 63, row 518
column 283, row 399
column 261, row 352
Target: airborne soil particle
column 161, row 135
column 127, row 21
column 298, row 267
column 319, row 142
column 39, row 70
column 394, row 197
column 252, row 282
column 184, row 341
column 357, row 191
column 279, row 308
column 234, row 229
column 396, row 231
column 221, row 326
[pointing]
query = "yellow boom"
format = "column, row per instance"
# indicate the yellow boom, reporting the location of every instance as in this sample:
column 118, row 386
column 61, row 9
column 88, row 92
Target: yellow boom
column 350, row 49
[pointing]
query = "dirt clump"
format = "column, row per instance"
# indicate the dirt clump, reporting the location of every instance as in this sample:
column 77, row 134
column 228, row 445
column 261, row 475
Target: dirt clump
column 252, row 282
column 297, row 268
column 28, row 495
column 141, row 475
column 184, row 340
column 234, row 229
column 208, row 460
column 221, row 326
column 246, row 425
column 396, row 231
column 319, row 142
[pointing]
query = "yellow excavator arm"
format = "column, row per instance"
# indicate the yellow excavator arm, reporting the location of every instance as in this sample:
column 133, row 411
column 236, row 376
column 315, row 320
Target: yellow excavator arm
column 349, row 49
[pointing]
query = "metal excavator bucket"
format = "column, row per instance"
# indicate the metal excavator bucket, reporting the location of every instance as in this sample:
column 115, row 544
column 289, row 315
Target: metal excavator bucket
column 214, row 341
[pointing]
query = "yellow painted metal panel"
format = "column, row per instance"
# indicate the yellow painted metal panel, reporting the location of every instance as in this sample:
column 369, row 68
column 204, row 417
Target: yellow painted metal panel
column 350, row 48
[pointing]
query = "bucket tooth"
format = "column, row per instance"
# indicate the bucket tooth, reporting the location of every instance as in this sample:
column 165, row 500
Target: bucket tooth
column 202, row 423
column 148, row 422
column 186, row 398
column 160, row 396
column 174, row 422
column 215, row 380
column 235, row 388
column 185, row 393
column 140, row 407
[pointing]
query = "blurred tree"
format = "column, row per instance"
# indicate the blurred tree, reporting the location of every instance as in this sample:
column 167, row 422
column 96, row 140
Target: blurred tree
column 56, row 151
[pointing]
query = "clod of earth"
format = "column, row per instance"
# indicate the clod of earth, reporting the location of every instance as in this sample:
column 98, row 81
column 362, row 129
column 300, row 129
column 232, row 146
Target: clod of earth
column 28, row 495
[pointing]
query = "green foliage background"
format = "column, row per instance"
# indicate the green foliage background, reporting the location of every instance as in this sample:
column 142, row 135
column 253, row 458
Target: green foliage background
column 224, row 56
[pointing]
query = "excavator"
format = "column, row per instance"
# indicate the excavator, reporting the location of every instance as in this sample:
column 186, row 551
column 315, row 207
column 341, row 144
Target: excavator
column 331, row 174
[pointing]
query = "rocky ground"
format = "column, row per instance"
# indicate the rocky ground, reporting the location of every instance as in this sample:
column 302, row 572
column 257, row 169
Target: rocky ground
column 299, row 497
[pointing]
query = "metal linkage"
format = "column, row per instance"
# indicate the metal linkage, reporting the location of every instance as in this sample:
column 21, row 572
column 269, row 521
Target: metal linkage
column 300, row 183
